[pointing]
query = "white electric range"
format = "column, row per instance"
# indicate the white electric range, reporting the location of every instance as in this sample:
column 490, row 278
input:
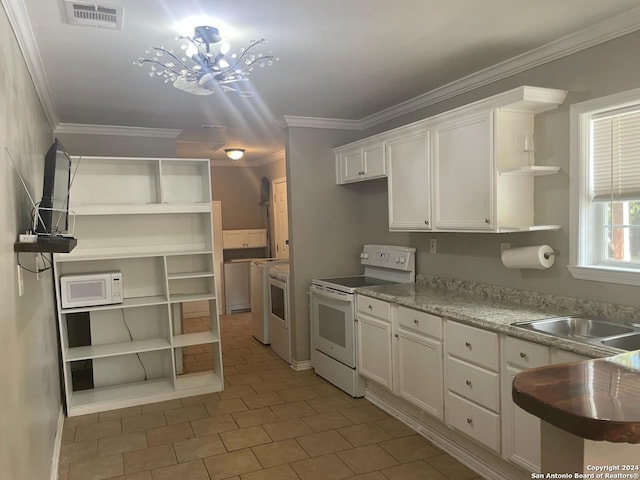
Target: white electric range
column 333, row 312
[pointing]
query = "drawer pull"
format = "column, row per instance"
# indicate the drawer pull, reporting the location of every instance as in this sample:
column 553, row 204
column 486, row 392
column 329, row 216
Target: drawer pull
column 468, row 382
column 468, row 345
column 469, row 421
column 523, row 355
column 397, row 336
column 370, row 307
column 415, row 320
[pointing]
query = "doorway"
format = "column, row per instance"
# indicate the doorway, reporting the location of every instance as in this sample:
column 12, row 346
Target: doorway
column 280, row 217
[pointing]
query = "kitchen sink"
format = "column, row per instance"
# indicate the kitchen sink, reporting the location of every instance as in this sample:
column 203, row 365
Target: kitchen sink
column 576, row 327
column 626, row 342
column 585, row 330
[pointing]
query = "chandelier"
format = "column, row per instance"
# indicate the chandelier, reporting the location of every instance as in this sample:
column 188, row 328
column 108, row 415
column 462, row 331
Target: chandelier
column 199, row 69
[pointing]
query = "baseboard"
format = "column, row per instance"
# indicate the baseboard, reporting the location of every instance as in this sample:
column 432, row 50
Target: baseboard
column 303, row 365
column 483, row 465
column 57, row 445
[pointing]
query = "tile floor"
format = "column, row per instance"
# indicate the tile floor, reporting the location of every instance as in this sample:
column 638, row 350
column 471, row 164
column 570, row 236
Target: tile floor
column 269, row 423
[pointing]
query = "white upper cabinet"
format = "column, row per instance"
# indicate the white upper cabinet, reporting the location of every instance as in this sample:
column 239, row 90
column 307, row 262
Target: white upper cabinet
column 409, row 181
column 252, row 238
column 463, row 172
column 363, row 160
column 471, row 169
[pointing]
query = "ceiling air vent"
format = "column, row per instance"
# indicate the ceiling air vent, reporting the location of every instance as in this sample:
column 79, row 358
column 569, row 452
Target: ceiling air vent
column 94, row 15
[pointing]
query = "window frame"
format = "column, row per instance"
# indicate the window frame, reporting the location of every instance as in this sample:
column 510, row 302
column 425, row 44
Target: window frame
column 582, row 225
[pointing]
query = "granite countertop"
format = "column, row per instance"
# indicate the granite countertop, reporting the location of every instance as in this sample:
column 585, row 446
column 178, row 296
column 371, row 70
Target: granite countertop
column 496, row 308
column 595, row 399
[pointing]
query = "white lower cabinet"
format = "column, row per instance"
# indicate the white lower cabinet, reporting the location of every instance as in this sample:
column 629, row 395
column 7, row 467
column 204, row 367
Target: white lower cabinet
column 418, row 359
column 521, row 430
column 472, row 373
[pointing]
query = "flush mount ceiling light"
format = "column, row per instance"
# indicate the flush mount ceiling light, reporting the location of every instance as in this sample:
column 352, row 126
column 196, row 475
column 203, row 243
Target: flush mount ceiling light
column 234, row 153
column 199, row 69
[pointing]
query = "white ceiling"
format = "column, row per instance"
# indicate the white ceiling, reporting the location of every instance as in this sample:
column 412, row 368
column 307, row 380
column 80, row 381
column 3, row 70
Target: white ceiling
column 343, row 59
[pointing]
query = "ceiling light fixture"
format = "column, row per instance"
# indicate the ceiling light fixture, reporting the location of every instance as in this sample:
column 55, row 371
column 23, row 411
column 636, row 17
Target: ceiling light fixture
column 234, row 153
column 200, row 70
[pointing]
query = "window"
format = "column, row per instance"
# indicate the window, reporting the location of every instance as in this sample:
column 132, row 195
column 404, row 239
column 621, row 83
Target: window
column 605, row 189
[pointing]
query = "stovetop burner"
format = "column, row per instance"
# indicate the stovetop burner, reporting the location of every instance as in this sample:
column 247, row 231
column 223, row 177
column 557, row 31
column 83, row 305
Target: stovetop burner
column 355, row 281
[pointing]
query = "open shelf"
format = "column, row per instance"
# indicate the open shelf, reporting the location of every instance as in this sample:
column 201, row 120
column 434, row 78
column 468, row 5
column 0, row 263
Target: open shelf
column 181, row 276
column 531, row 170
column 87, row 401
column 113, row 349
column 199, row 380
column 116, row 252
column 191, row 297
column 127, row 303
column 528, row 228
column 187, row 339
column 133, row 209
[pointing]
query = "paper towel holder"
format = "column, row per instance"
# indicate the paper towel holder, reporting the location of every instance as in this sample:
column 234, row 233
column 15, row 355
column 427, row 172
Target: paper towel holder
column 555, row 253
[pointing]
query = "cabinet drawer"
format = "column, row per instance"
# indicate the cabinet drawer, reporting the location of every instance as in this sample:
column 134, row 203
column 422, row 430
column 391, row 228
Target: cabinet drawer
column 525, row 354
column 473, row 382
column 473, row 420
column 374, row 307
column 420, row 322
column 473, row 344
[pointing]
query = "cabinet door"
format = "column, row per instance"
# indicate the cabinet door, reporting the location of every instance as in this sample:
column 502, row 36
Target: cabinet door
column 256, row 238
column 233, row 238
column 374, row 350
column 464, row 172
column 350, row 166
column 373, row 162
column 419, row 372
column 409, row 182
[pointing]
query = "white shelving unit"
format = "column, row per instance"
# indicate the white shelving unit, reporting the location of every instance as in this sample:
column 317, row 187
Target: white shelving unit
column 150, row 219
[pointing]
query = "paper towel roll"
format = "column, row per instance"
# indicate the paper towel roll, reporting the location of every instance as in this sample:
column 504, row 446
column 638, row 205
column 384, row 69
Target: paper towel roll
column 529, row 257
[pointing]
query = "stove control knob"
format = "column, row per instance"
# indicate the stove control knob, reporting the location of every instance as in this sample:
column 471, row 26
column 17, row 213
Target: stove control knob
column 365, row 255
column 397, row 259
column 362, row 255
column 402, row 260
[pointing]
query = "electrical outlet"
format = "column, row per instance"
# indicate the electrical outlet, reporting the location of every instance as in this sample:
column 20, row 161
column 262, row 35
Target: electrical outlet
column 433, row 246
column 504, row 246
column 20, row 281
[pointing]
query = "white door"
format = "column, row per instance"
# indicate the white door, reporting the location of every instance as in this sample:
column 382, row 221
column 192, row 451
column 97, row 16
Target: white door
column 374, row 350
column 280, row 217
column 409, row 182
column 373, row 160
column 351, row 165
column 419, row 372
column 463, row 172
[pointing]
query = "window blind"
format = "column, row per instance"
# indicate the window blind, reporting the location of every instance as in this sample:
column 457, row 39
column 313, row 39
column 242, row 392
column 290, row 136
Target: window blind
column 615, row 155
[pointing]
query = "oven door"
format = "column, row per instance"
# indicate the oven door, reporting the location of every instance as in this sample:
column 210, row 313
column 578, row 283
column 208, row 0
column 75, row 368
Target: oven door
column 278, row 302
column 333, row 324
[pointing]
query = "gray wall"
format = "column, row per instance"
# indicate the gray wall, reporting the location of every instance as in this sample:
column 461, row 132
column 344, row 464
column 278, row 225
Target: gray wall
column 30, row 399
column 118, row 145
column 330, row 223
column 323, row 221
column 238, row 188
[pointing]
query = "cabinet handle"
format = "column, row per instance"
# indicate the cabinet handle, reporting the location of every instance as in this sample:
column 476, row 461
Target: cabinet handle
column 370, row 307
column 486, row 220
column 397, row 336
column 523, row 355
column 468, row 345
column 468, row 382
column 426, row 222
column 469, row 421
column 415, row 320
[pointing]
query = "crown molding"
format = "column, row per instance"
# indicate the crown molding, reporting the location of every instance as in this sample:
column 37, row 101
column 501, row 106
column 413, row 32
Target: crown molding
column 115, row 130
column 21, row 26
column 601, row 32
column 272, row 157
column 314, row 122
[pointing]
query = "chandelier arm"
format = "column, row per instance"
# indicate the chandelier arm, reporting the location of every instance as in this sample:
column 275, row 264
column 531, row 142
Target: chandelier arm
column 172, row 55
column 165, row 67
column 241, row 70
column 243, row 54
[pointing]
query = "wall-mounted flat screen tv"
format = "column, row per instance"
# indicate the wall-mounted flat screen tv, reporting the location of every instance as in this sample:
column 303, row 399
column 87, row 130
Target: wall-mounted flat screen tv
column 53, row 209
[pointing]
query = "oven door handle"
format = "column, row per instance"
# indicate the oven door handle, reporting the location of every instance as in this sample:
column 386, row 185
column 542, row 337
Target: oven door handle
column 333, row 296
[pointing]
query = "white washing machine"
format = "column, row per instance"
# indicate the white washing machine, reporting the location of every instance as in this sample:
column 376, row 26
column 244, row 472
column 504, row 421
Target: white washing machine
column 260, row 297
column 279, row 315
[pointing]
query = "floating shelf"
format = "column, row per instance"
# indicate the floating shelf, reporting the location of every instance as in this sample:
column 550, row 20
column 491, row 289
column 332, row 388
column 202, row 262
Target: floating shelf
column 59, row 246
column 115, row 252
column 531, row 170
column 143, row 209
column 528, row 228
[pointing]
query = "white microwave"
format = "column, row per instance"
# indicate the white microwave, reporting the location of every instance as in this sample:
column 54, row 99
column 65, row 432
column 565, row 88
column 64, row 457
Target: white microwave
column 90, row 290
